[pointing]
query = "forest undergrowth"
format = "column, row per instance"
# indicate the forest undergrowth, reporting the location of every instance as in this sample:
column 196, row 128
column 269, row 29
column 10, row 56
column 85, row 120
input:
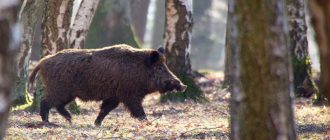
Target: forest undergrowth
column 187, row 120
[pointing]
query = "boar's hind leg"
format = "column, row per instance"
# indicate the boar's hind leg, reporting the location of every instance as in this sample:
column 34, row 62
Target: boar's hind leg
column 136, row 109
column 63, row 112
column 106, row 107
column 44, row 110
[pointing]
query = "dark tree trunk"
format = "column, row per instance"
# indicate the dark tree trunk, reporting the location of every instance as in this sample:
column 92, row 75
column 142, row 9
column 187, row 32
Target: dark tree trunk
column 320, row 12
column 261, row 103
column 30, row 14
column 303, row 83
column 201, row 42
column 229, row 58
column 10, row 41
column 112, row 25
column 158, row 25
column 177, row 39
column 139, row 14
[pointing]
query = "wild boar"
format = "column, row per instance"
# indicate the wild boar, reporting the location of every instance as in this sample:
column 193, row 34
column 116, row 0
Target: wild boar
column 115, row 74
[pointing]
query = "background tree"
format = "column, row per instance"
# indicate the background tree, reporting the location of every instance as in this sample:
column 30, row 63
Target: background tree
column 261, row 105
column 229, row 58
column 158, row 25
column 55, row 26
column 320, row 20
column 114, row 16
column 30, row 13
column 139, row 12
column 177, row 39
column 10, row 41
column 81, row 22
column 201, row 42
column 303, row 83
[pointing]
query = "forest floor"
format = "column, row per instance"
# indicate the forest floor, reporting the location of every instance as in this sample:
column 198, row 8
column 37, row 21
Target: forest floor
column 187, row 120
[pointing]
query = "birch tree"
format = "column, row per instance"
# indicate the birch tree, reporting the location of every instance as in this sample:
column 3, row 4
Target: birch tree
column 10, row 41
column 303, row 83
column 320, row 16
column 60, row 33
column 55, row 26
column 261, row 103
column 81, row 23
column 177, row 39
column 30, row 13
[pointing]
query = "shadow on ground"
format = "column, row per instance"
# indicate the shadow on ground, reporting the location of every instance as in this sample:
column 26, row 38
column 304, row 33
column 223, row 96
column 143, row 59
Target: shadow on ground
column 313, row 128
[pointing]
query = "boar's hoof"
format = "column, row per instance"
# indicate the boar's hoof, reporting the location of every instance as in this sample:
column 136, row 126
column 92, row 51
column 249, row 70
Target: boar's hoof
column 142, row 118
column 97, row 123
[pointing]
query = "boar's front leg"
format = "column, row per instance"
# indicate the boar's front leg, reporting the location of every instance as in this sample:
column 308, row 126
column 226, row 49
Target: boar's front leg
column 106, row 107
column 136, row 109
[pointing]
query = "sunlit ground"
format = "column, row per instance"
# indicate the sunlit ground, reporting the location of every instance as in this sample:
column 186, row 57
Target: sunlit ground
column 167, row 121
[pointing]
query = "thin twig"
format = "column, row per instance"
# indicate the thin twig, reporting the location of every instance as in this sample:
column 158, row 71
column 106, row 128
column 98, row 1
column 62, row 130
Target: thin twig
column 110, row 138
column 101, row 130
column 222, row 112
column 155, row 119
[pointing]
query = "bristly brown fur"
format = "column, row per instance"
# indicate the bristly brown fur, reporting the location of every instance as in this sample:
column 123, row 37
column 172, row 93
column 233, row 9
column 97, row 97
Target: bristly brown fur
column 112, row 74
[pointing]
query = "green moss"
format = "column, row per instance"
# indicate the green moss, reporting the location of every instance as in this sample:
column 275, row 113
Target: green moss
column 22, row 97
column 35, row 105
column 301, row 72
column 22, row 106
column 74, row 108
column 193, row 92
column 319, row 99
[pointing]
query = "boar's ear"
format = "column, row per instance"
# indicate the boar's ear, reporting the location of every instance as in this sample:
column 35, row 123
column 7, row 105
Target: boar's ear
column 153, row 57
column 161, row 50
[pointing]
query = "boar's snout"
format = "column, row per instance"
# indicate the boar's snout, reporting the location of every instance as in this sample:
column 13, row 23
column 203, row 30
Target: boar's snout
column 174, row 85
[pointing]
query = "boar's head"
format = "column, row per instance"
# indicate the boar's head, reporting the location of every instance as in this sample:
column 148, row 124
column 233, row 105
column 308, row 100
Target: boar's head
column 161, row 77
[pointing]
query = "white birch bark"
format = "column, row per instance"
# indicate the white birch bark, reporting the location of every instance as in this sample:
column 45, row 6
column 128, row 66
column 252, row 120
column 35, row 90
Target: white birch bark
column 177, row 37
column 177, row 43
column 303, row 82
column 81, row 23
column 30, row 14
column 56, row 25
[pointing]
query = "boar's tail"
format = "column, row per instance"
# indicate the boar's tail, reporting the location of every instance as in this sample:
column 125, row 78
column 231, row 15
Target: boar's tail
column 31, row 88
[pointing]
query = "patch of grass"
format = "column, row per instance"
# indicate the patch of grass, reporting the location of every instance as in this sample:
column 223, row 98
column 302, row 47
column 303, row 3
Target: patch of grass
column 74, row 108
column 27, row 103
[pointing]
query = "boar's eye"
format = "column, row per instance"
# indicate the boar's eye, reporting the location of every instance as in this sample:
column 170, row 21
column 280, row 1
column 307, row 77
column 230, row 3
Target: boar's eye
column 159, row 68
